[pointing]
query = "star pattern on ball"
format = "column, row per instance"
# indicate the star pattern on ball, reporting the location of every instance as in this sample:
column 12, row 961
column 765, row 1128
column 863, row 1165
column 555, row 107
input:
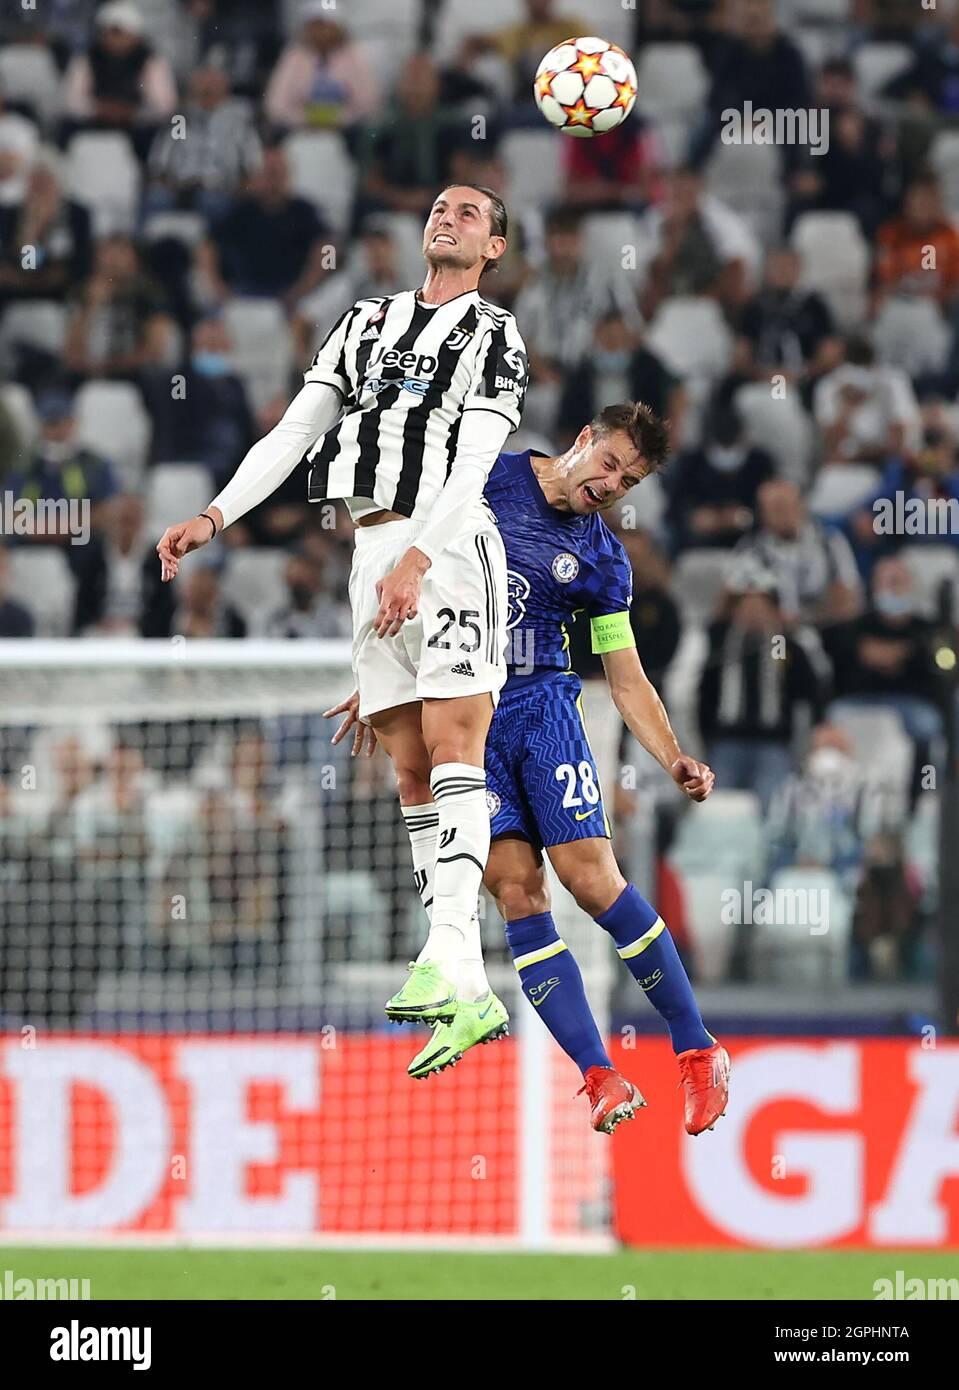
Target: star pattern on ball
column 587, row 65
column 625, row 91
column 544, row 82
column 580, row 114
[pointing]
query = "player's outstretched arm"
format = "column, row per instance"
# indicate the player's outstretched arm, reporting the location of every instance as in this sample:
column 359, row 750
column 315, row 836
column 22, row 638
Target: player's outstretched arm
column 268, row 464
column 645, row 716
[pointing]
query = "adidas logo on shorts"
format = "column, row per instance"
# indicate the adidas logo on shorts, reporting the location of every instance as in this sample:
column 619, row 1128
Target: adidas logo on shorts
column 463, row 668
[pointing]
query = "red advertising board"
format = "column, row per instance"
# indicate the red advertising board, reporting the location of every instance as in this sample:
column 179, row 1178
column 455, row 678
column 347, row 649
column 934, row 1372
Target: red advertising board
column 833, row 1142
column 826, row 1143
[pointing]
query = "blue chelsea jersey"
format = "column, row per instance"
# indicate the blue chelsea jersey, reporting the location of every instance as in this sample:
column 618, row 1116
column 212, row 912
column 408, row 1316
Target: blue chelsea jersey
column 558, row 563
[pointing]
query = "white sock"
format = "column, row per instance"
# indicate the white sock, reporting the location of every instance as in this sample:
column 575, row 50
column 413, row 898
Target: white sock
column 421, row 826
column 459, row 792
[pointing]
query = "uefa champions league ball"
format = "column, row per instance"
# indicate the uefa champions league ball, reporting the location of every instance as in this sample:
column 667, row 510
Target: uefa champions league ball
column 585, row 86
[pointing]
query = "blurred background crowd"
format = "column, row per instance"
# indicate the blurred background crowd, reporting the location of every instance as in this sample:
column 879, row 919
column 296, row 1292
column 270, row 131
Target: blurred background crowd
column 192, row 190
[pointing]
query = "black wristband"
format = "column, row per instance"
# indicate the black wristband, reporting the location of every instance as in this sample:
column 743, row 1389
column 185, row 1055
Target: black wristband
column 212, row 523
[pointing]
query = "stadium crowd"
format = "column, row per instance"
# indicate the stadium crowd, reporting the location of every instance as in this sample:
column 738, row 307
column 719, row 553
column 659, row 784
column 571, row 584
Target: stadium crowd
column 192, row 190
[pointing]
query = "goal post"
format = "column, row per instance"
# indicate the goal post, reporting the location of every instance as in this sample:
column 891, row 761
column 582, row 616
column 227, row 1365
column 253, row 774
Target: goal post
column 204, row 906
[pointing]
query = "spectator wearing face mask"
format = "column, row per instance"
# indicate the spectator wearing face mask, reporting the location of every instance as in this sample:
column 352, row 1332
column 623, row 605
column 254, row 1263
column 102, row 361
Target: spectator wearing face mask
column 885, row 658
column 620, row 367
column 62, row 468
column 209, row 421
column 309, row 610
column 816, row 819
column 712, row 489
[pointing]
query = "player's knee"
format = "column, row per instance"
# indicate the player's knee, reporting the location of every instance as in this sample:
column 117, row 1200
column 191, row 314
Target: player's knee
column 518, row 898
column 594, row 889
column 413, row 784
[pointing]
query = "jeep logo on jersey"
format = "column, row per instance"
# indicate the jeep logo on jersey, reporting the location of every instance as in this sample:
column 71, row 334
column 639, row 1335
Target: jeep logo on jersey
column 510, row 370
column 565, row 567
column 517, row 592
column 394, row 363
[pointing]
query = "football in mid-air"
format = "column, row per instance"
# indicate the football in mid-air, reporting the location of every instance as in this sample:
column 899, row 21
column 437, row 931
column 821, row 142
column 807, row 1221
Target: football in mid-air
column 585, row 86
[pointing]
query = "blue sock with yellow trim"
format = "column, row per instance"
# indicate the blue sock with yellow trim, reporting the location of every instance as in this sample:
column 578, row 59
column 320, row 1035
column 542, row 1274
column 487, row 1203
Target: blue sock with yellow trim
column 649, row 954
column 552, row 983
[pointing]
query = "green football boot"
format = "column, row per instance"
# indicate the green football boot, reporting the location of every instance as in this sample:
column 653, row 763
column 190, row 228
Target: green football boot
column 481, row 1022
column 427, row 997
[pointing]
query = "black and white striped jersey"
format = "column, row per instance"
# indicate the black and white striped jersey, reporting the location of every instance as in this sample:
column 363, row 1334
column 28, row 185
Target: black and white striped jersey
column 407, row 371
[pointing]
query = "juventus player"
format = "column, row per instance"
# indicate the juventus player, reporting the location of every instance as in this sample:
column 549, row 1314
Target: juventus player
column 403, row 412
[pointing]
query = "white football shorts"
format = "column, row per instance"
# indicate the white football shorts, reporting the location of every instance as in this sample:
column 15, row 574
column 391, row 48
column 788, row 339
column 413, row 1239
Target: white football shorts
column 456, row 644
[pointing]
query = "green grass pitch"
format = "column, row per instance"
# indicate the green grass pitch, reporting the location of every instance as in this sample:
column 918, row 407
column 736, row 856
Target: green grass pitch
column 132, row 1273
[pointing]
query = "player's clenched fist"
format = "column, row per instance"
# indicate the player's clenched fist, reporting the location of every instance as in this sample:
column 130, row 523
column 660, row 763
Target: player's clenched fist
column 694, row 778
column 179, row 540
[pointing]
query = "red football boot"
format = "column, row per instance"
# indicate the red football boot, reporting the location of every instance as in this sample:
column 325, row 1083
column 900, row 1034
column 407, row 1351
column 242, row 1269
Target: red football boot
column 611, row 1098
column 705, row 1073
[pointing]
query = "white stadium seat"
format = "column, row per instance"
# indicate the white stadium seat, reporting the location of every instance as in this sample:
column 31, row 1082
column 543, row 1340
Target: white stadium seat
column 262, row 348
column 749, row 179
column 41, row 579
column 38, row 323
column 781, row 427
column 28, row 72
column 322, row 172
column 724, row 835
column 698, row 582
column 839, row 488
column 943, row 156
column 253, row 582
column 877, row 63
column 19, row 403
column 534, row 173
column 932, row 566
column 713, row 938
column 794, row 949
column 175, row 490
column 835, row 261
column 691, row 334
column 103, row 175
column 188, row 227
column 112, row 421
column 911, row 333
column 672, row 80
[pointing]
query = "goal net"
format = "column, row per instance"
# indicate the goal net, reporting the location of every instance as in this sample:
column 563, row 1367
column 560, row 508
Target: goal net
column 204, row 907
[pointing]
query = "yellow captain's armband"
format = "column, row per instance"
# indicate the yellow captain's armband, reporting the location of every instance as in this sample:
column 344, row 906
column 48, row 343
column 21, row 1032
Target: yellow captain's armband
column 612, row 632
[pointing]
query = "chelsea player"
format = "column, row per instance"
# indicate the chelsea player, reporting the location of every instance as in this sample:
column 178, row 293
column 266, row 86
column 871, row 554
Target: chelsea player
column 542, row 784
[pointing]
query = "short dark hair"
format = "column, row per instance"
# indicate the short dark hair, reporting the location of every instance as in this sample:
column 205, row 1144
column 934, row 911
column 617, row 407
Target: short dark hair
column 498, row 218
column 648, row 434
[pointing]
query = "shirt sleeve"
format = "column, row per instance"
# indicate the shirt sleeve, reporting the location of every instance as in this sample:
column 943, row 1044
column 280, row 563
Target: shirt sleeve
column 328, row 367
column 481, row 437
column 501, row 376
column 609, row 607
column 273, row 458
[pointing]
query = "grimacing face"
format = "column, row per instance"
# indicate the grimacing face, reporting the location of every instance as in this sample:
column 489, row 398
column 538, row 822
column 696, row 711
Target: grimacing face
column 603, row 469
column 457, row 232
